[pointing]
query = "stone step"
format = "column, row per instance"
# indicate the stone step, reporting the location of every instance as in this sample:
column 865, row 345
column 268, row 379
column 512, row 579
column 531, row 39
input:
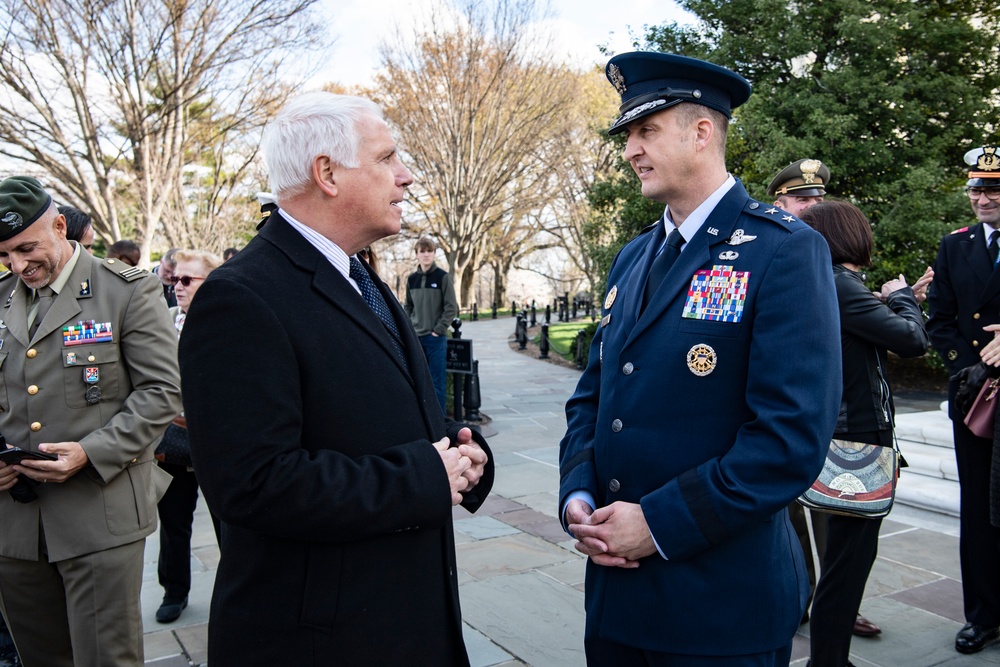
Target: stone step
column 931, row 480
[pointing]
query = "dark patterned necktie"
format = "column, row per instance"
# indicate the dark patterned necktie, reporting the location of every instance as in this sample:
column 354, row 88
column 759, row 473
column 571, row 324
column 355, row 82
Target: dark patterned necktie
column 375, row 301
column 994, row 247
column 661, row 265
column 45, row 296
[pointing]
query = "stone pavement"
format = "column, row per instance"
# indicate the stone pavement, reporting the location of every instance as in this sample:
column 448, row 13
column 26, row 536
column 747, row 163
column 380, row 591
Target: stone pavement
column 522, row 582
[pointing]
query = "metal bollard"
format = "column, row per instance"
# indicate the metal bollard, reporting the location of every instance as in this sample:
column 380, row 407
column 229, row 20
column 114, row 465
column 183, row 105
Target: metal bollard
column 522, row 331
column 579, row 349
column 475, row 312
column 548, row 313
column 533, row 323
column 456, row 325
column 513, row 307
column 517, row 325
column 543, row 344
column 494, row 310
column 473, row 399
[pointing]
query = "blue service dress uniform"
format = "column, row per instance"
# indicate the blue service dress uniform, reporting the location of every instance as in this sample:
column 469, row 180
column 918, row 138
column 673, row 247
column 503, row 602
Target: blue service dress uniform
column 713, row 409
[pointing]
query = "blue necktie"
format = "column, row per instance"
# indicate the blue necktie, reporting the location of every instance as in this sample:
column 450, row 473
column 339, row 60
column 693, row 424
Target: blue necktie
column 661, row 265
column 375, row 301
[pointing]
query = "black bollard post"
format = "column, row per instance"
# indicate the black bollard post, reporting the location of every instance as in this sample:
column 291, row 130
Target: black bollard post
column 456, row 325
column 533, row 322
column 475, row 312
column 513, row 308
column 517, row 326
column 548, row 313
column 543, row 344
column 473, row 399
column 579, row 349
column 575, row 304
column 494, row 310
column 522, row 331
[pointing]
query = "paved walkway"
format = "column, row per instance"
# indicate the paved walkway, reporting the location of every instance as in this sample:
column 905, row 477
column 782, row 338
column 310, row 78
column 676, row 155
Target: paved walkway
column 522, row 582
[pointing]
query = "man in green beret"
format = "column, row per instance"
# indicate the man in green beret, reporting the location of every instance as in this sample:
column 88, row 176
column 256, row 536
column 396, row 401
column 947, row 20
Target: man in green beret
column 88, row 365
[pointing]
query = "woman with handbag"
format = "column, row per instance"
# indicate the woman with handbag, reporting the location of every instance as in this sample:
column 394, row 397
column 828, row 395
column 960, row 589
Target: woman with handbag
column 870, row 324
column 176, row 508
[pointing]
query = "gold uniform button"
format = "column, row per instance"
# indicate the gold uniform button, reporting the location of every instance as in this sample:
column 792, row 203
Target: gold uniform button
column 32, row 353
column 91, row 358
column 33, row 389
column 975, row 343
column 976, row 316
column 36, row 426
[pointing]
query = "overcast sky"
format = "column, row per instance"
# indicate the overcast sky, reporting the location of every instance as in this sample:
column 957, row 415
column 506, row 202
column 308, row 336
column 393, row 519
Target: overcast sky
column 578, row 28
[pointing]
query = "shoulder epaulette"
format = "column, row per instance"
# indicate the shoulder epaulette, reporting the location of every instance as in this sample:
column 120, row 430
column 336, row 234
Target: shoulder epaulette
column 779, row 216
column 123, row 270
column 959, row 231
column 5, row 275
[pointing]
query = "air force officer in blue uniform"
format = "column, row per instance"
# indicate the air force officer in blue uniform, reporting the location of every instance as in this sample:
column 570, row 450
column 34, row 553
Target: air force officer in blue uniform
column 710, row 398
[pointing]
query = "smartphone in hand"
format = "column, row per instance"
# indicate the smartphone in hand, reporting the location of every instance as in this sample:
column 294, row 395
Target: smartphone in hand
column 16, row 455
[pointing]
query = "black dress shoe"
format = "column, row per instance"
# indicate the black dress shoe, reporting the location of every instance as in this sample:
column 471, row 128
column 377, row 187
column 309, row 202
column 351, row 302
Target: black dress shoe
column 170, row 610
column 974, row 638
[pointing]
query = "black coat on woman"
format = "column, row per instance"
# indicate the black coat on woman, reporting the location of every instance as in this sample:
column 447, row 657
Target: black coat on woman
column 868, row 328
column 312, row 441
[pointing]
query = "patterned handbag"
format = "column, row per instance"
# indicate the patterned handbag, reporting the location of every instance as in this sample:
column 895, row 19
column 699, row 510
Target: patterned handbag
column 174, row 447
column 857, row 479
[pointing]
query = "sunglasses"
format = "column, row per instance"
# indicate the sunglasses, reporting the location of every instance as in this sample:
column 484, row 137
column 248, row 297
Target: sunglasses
column 184, row 280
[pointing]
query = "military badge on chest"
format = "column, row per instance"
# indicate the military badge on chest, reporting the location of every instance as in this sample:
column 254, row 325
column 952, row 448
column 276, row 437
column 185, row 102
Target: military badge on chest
column 87, row 332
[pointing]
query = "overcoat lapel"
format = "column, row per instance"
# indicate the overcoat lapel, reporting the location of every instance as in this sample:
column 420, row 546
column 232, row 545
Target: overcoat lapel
column 335, row 288
column 696, row 254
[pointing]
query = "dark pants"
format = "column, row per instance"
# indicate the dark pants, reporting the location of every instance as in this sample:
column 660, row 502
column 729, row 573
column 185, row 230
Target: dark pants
column 979, row 541
column 603, row 653
column 435, row 349
column 176, row 512
column 797, row 515
column 851, row 547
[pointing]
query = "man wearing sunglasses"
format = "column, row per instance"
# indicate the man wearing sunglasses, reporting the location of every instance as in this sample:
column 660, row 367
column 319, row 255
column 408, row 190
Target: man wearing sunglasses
column 964, row 298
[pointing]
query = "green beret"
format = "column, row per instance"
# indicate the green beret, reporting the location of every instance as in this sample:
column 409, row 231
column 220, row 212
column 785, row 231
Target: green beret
column 802, row 178
column 22, row 201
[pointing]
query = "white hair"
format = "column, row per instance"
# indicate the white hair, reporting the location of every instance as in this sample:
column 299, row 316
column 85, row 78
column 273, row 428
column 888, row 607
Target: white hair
column 310, row 125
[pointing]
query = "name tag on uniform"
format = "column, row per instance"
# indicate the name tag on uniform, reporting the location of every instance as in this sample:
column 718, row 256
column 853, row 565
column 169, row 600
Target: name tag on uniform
column 717, row 294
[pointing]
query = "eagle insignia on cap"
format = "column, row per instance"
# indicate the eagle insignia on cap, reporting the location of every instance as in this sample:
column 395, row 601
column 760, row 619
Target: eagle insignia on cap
column 988, row 161
column 616, row 78
column 13, row 220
